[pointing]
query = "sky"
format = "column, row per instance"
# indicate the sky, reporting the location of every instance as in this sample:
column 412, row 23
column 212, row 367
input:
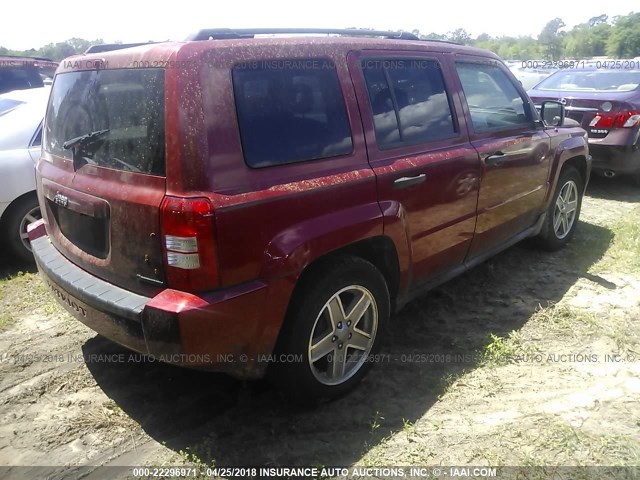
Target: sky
column 27, row 26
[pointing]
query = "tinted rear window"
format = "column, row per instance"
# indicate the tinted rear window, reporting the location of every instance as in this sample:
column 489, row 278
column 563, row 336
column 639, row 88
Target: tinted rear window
column 129, row 103
column 18, row 77
column 592, row 80
column 290, row 111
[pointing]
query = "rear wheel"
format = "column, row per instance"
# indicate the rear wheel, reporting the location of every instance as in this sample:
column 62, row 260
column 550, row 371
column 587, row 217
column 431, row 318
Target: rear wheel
column 21, row 214
column 332, row 328
column 564, row 210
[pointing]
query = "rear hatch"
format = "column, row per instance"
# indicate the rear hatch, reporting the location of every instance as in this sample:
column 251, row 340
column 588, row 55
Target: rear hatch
column 102, row 175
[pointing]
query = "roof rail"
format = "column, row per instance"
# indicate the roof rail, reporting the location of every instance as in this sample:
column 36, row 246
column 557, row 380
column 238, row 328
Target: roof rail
column 108, row 47
column 235, row 33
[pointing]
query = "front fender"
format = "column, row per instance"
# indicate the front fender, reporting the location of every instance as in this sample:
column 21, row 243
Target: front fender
column 573, row 144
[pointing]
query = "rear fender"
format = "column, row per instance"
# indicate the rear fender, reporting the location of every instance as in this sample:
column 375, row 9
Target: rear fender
column 296, row 247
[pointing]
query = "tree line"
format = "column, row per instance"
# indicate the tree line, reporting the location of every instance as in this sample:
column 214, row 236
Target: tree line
column 55, row 51
column 617, row 37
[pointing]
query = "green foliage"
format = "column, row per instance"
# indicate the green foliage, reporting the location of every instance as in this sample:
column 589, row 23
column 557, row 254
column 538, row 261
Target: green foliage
column 599, row 36
column 55, row 51
column 552, row 39
column 625, row 37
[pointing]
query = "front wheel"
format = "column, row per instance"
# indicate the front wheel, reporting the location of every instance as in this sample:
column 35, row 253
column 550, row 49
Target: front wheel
column 332, row 328
column 564, row 210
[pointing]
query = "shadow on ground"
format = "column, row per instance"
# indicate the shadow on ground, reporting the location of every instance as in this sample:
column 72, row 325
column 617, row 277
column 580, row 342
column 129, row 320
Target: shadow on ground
column 234, row 423
column 621, row 189
column 10, row 266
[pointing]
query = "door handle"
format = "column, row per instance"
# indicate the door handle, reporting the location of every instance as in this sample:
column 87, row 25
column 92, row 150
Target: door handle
column 405, row 182
column 495, row 159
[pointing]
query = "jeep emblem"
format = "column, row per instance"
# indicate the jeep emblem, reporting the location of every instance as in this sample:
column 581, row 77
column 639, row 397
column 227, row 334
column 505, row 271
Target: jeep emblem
column 61, row 200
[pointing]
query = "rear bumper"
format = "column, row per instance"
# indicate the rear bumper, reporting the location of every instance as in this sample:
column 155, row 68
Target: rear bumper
column 218, row 331
column 623, row 159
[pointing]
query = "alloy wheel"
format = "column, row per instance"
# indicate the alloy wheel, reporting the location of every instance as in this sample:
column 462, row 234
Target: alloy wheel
column 564, row 214
column 343, row 335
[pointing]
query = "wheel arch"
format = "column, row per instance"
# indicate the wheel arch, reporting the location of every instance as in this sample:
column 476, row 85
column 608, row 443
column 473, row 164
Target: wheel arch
column 380, row 251
column 15, row 203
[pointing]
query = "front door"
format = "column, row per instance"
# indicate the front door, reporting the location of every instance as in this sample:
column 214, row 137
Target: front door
column 513, row 148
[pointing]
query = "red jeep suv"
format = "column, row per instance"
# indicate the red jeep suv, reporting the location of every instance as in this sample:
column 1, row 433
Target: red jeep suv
column 262, row 205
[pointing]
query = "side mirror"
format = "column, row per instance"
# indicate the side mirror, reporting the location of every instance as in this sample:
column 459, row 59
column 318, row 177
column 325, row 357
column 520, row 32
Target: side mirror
column 552, row 113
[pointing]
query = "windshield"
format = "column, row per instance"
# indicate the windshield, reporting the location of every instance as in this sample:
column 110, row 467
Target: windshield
column 127, row 104
column 592, row 80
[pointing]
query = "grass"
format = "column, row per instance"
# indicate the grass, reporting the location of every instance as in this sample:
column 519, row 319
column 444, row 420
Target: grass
column 623, row 255
column 6, row 320
column 22, row 294
column 563, row 318
column 504, row 350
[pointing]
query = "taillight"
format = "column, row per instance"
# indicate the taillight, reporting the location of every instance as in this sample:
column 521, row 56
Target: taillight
column 628, row 119
column 188, row 243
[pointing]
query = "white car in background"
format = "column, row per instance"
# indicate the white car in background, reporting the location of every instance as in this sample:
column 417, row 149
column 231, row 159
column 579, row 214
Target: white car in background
column 21, row 117
column 529, row 77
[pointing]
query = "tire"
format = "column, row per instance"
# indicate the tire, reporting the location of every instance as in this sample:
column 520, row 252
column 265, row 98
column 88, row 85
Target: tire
column 19, row 215
column 313, row 340
column 564, row 211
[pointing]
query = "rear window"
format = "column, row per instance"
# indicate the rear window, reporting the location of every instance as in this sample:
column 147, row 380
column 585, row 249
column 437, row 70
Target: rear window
column 290, row 111
column 592, row 80
column 126, row 109
column 15, row 76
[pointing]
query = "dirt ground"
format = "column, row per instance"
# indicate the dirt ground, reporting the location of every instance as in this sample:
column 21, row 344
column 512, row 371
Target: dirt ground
column 529, row 359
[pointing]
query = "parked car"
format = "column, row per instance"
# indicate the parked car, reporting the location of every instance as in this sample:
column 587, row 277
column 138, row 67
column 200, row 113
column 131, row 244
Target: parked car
column 21, row 116
column 606, row 102
column 529, row 77
column 20, row 73
column 262, row 205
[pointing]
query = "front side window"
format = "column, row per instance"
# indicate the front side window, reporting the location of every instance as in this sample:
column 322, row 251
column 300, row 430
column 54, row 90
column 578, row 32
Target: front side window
column 123, row 109
column 494, row 102
column 290, row 111
column 409, row 101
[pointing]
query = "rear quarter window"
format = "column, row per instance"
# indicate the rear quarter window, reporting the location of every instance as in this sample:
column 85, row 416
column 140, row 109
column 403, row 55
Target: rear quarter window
column 290, row 111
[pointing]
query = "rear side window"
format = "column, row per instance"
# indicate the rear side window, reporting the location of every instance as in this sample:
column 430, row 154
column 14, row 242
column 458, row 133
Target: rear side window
column 409, row 101
column 124, row 109
column 494, row 101
column 290, row 111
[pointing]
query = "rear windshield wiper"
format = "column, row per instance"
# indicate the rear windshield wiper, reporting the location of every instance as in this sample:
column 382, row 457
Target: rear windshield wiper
column 84, row 140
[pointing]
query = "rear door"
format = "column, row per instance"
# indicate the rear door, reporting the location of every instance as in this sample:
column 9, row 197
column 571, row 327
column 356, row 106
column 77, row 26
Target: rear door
column 513, row 148
column 101, row 193
column 425, row 167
